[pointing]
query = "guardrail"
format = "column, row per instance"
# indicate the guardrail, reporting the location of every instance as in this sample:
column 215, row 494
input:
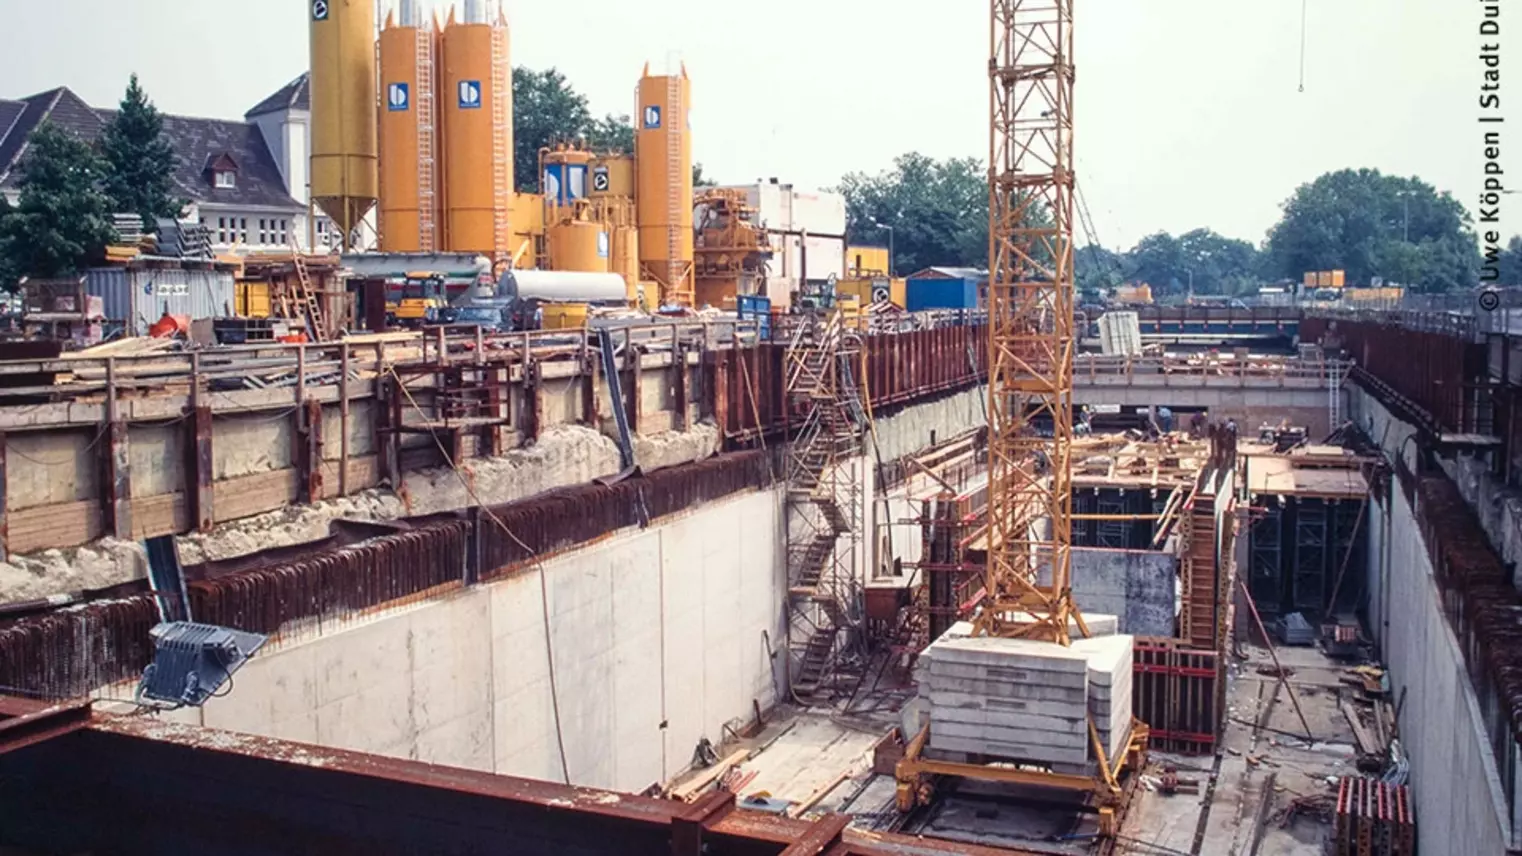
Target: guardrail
column 1098, row 368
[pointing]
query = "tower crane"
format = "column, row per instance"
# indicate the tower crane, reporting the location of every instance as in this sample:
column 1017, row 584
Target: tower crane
column 1030, row 321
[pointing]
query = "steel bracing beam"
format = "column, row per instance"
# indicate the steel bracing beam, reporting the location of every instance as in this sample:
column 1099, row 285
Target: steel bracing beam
column 1030, row 311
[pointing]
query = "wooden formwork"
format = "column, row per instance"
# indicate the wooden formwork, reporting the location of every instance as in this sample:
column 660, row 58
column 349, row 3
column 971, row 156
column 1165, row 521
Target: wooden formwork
column 1177, row 691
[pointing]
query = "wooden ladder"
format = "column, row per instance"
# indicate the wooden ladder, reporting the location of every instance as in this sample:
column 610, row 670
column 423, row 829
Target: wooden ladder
column 306, row 298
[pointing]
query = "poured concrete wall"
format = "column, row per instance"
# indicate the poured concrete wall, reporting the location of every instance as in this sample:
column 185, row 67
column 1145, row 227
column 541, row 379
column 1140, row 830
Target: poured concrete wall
column 1138, row 586
column 1461, row 806
column 660, row 637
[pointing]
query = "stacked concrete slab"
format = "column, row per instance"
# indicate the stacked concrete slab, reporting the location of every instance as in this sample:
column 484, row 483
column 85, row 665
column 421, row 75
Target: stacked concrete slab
column 1027, row 701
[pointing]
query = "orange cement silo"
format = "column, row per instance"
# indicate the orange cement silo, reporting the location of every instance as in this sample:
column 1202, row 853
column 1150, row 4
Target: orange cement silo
column 409, row 139
column 477, row 110
column 663, row 162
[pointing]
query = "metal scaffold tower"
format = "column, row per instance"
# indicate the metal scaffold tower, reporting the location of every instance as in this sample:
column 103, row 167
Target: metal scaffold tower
column 823, row 503
column 1030, row 312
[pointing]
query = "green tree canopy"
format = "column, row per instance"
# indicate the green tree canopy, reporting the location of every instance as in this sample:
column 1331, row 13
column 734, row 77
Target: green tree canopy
column 1511, row 262
column 1375, row 225
column 937, row 211
column 63, row 217
column 140, row 161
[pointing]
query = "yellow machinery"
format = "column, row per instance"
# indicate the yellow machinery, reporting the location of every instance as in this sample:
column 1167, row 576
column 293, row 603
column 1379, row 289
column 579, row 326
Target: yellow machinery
column 343, row 179
column 563, row 316
column 528, row 230
column 866, row 262
column 731, row 248
column 422, row 299
column 663, row 158
column 477, row 112
column 613, row 193
column 409, row 139
column 868, row 290
column 1031, row 344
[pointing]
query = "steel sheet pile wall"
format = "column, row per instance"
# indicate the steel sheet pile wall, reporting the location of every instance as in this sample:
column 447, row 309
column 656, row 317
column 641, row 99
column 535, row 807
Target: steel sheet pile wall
column 570, row 517
column 1481, row 604
column 334, row 586
column 1431, row 370
column 747, row 383
column 74, row 652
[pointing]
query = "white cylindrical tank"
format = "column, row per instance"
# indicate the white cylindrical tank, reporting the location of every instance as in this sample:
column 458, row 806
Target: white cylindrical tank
column 557, row 286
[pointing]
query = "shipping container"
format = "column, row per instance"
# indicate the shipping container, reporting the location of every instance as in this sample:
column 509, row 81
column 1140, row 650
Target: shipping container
column 135, row 297
column 923, row 294
column 1339, row 278
column 819, row 213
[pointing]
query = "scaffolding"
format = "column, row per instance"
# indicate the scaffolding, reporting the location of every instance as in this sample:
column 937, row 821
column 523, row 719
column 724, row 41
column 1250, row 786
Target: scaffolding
column 824, row 499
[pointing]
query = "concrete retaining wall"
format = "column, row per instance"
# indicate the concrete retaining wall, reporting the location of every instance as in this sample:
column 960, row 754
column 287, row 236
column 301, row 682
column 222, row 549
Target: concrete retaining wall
column 1461, row 806
column 660, row 637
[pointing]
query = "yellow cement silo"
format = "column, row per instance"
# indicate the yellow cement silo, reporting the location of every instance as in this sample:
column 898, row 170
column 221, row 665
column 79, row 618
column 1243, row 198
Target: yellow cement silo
column 409, row 140
column 343, row 177
column 663, row 155
column 578, row 244
column 477, row 94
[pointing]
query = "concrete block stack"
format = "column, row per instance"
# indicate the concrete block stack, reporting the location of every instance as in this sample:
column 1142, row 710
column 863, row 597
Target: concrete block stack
column 1109, row 662
column 1025, row 700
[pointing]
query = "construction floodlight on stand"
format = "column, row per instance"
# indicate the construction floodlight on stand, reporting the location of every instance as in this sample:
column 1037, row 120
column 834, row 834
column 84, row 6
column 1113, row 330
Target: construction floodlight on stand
column 191, row 662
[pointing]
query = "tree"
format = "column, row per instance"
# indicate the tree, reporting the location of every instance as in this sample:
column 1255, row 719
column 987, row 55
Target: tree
column 547, row 110
column 937, row 210
column 10, row 272
column 140, row 160
column 1097, row 270
column 1511, row 262
column 1375, row 225
column 63, row 217
column 701, row 180
column 611, row 134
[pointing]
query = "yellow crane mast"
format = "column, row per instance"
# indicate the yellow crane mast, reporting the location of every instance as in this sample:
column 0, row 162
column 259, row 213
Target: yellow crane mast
column 1030, row 320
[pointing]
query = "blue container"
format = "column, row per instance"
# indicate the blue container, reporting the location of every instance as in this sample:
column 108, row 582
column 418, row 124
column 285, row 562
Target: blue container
column 758, row 308
column 938, row 293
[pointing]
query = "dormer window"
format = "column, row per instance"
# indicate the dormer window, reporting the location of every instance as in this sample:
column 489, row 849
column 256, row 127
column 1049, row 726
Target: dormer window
column 222, row 171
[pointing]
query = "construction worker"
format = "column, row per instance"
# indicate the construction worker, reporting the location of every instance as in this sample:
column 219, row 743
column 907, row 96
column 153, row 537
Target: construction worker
column 1197, row 424
column 1165, row 420
column 1084, row 427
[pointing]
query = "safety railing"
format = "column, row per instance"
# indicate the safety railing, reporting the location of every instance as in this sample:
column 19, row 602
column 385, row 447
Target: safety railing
column 1097, row 368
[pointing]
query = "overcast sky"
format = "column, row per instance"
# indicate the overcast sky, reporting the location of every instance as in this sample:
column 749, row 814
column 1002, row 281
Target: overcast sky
column 1188, row 112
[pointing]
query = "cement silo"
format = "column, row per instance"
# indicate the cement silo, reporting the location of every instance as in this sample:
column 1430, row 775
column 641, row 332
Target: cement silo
column 343, row 110
column 663, row 160
column 409, row 139
column 477, row 93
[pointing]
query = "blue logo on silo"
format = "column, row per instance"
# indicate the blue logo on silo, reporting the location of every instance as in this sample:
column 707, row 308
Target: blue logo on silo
column 470, row 94
column 396, row 97
column 652, row 117
column 602, row 245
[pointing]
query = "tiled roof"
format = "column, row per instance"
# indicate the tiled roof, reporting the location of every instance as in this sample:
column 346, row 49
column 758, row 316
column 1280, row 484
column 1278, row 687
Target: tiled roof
column 295, row 95
column 58, row 106
column 196, row 142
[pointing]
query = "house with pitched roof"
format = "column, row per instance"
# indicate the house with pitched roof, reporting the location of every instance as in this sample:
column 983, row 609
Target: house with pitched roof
column 246, row 180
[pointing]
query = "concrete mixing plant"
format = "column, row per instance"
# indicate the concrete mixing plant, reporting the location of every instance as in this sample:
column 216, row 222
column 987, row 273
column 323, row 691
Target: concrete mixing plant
column 478, row 132
column 409, row 138
column 344, row 181
column 663, row 156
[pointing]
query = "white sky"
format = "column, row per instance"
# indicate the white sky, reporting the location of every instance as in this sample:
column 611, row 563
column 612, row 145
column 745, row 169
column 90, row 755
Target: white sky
column 1188, row 113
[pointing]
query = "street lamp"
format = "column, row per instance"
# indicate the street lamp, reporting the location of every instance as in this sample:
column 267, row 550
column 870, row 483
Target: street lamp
column 890, row 244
